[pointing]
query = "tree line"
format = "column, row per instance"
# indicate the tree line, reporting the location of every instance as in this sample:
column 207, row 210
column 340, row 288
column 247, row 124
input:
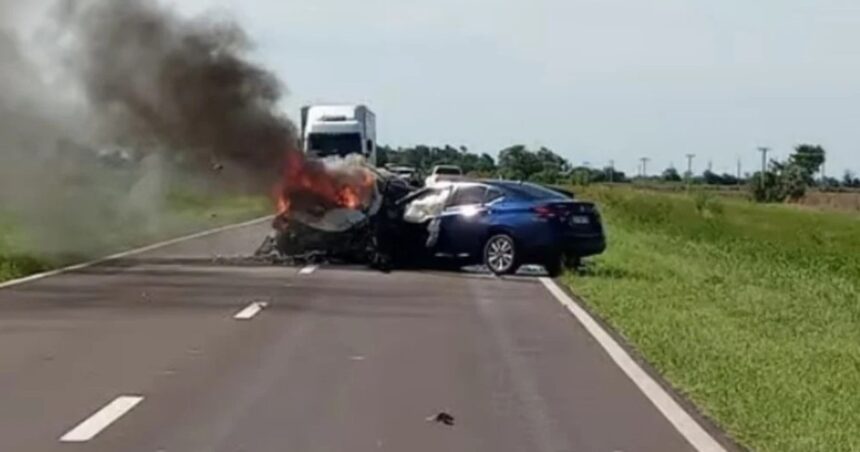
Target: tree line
column 515, row 162
column 783, row 180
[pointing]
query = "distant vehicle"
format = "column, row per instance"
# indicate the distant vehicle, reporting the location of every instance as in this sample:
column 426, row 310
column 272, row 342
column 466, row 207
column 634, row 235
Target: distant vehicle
column 339, row 130
column 406, row 173
column 443, row 173
column 504, row 224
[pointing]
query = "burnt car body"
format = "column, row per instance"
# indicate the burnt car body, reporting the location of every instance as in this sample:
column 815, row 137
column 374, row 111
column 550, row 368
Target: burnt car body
column 503, row 225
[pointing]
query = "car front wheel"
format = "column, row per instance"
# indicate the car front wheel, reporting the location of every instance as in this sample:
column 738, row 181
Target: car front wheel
column 500, row 254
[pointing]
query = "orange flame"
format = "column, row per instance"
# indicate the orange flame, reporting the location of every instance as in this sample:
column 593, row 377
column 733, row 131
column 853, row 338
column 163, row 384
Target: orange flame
column 314, row 186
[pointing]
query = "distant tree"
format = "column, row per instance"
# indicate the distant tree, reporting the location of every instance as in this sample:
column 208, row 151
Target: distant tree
column 613, row 175
column 546, row 176
column 794, row 180
column 581, row 175
column 519, row 163
column 425, row 157
column 468, row 162
column 829, row 183
column 765, row 187
column 850, row 180
column 552, row 161
column 712, row 178
column 809, row 159
column 486, row 164
column 730, row 179
column 784, row 181
column 382, row 153
column 670, row 174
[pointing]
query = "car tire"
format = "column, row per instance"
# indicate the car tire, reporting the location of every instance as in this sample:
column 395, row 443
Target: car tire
column 572, row 261
column 554, row 265
column 500, row 254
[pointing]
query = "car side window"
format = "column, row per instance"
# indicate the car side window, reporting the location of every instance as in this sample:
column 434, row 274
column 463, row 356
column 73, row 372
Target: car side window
column 492, row 195
column 473, row 194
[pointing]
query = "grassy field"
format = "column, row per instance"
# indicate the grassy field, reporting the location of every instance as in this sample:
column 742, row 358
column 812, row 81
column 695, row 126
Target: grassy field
column 752, row 311
column 22, row 254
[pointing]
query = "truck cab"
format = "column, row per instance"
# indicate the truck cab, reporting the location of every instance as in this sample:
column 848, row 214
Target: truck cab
column 339, row 130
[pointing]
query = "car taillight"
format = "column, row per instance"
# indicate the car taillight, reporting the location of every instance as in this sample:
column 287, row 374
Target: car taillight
column 545, row 212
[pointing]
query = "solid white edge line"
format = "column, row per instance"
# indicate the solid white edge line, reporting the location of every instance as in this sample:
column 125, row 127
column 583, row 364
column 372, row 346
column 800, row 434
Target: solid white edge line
column 101, row 419
column 123, row 254
column 248, row 312
column 700, row 439
column 308, row 270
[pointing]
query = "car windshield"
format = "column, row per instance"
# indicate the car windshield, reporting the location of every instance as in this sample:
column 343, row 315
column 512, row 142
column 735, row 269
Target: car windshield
column 326, row 144
column 531, row 191
column 448, row 171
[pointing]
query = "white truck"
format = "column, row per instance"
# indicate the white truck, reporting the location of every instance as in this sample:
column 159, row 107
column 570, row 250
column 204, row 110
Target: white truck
column 339, row 130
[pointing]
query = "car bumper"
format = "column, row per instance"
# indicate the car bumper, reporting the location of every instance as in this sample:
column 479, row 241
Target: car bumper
column 585, row 246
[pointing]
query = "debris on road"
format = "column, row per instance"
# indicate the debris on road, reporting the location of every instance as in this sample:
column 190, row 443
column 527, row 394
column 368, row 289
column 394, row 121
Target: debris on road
column 442, row 418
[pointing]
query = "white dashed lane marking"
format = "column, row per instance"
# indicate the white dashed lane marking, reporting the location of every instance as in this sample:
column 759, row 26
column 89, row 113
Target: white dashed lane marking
column 101, row 419
column 308, row 270
column 251, row 310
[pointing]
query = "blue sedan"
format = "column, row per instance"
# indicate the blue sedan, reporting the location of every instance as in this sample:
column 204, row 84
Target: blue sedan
column 504, row 224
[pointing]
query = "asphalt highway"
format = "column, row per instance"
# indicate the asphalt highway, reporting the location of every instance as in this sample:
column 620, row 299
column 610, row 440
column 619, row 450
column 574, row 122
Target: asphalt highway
column 179, row 349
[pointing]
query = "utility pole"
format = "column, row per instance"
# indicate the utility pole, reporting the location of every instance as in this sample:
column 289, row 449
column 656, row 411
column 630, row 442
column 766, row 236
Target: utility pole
column 764, row 150
column 611, row 170
column 739, row 170
column 645, row 161
column 823, row 174
column 689, row 174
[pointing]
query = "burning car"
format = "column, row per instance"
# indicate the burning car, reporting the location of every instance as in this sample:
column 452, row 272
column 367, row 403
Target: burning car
column 335, row 209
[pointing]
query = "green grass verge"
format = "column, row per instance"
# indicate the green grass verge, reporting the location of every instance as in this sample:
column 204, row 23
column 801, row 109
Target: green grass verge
column 752, row 311
column 182, row 213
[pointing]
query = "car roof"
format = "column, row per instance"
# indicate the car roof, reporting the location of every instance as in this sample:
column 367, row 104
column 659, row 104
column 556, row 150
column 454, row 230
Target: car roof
column 516, row 189
column 529, row 188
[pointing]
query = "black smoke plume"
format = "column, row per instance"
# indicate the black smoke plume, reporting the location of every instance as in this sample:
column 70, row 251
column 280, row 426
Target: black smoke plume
column 186, row 85
column 110, row 107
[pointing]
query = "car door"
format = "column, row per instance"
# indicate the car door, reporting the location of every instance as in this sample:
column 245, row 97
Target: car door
column 464, row 221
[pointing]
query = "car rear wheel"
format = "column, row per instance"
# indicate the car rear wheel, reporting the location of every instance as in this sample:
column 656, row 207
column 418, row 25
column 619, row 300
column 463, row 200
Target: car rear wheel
column 554, row 265
column 500, row 254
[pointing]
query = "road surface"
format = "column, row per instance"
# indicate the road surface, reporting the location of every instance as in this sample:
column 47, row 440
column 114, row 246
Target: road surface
column 170, row 351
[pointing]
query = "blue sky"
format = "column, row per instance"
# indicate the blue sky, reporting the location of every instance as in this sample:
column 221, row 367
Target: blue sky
column 592, row 79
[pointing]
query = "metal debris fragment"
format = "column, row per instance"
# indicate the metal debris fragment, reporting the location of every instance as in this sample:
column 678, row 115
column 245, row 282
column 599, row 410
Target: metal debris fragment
column 442, row 418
